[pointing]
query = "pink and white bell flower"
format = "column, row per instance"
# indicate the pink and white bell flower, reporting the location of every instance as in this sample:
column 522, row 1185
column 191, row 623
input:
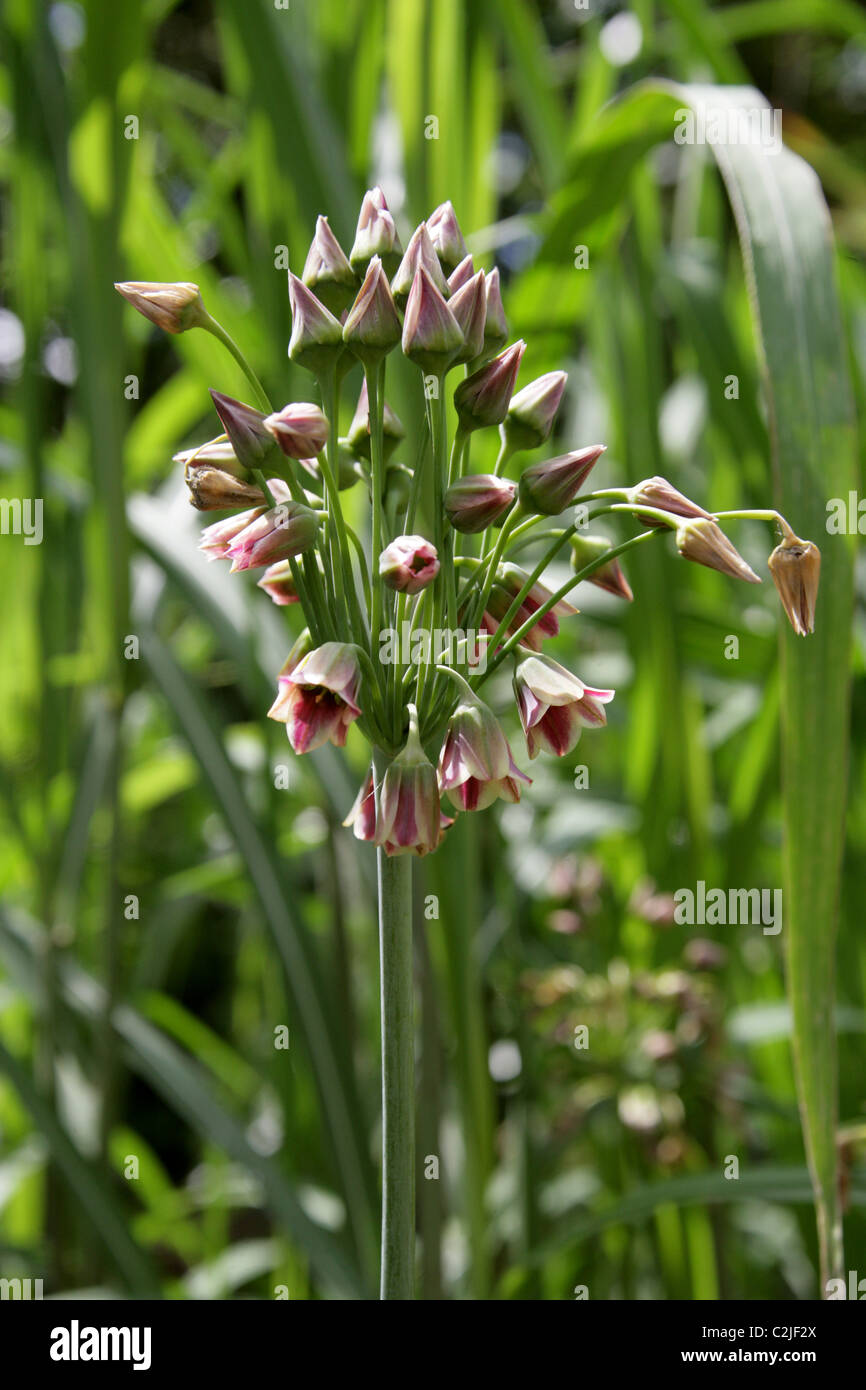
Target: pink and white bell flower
column 318, row 697
column 555, row 705
column 475, row 765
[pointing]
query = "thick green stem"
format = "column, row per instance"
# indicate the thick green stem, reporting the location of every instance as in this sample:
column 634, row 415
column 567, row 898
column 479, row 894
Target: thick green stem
column 398, row 1069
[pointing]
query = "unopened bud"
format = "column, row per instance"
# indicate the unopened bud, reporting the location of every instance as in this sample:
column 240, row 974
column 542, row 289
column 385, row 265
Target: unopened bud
column 532, row 411
column 216, row 452
column 446, row 236
column 551, row 486
column 658, row 493
column 469, row 307
column 317, row 337
column 587, row 549
column 300, row 429
column 372, row 328
column 376, row 234
column 419, row 253
column 703, row 540
column 358, row 438
column 431, row 334
column 496, row 324
column 477, row 501
column 212, row 490
column 409, row 564
column 458, row 278
column 327, row 270
column 172, row 307
column 482, row 399
column 278, row 583
column 252, row 443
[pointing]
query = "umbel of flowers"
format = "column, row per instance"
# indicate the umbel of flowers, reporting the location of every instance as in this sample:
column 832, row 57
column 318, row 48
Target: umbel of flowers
column 437, row 552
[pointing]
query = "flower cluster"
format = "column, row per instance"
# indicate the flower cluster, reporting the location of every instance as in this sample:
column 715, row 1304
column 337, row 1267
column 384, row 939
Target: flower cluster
column 282, row 476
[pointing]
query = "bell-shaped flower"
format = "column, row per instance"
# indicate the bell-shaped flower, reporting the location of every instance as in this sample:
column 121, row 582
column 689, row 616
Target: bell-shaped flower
column 279, row 584
column 277, row 534
column 376, row 234
column 475, row 764
column 362, row 816
column 172, row 307
column 554, row 705
column 446, row 236
column 532, row 412
column 482, row 398
column 509, row 582
column 701, row 539
column 796, row 568
column 317, row 336
column 477, row 501
column 549, row 487
column 408, row 564
column 431, row 334
column 372, row 327
column 318, row 697
column 327, row 271
column 300, row 429
column 409, row 812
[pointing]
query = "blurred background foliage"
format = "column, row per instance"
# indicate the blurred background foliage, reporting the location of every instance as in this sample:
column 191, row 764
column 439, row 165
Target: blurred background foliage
column 175, row 884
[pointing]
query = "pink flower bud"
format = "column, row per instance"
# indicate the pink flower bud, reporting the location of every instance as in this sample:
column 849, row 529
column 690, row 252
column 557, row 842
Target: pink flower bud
column 172, row 307
column 554, row 705
column 362, row 816
column 701, row 539
column 358, row 438
column 458, row 278
column 610, row 577
column 327, row 270
column 300, row 429
column 409, row 564
column 469, row 307
column 277, row 534
column 796, row 568
column 431, row 334
column 249, row 438
column 419, row 253
column 475, row 764
column 658, row 493
column 550, row 487
column 477, row 501
column 218, row 453
column 317, row 337
column 278, row 582
column 532, row 411
column 318, row 697
column 482, row 399
column 496, row 324
column 376, row 234
column 372, row 328
column 446, row 236
column 216, row 539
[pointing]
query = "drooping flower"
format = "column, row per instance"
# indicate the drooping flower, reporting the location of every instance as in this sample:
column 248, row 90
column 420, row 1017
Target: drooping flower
column 172, row 307
column 317, row 336
column 477, row 501
column 554, row 705
column 419, row 252
column 327, row 270
column 482, row 399
column 318, row 697
column 372, row 328
column 469, row 307
column 532, row 411
column 796, row 568
column 278, row 583
column 362, row 816
column 431, row 334
column 509, row 582
column 277, row 534
column 358, row 437
column 409, row 811
column 609, row 576
column 376, row 234
column 216, row 539
column 409, row 564
column 446, row 236
column 701, row 539
column 300, row 429
column 475, row 764
column 551, row 486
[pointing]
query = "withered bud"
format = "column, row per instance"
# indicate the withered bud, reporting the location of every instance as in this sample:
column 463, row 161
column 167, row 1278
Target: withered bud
column 796, row 568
